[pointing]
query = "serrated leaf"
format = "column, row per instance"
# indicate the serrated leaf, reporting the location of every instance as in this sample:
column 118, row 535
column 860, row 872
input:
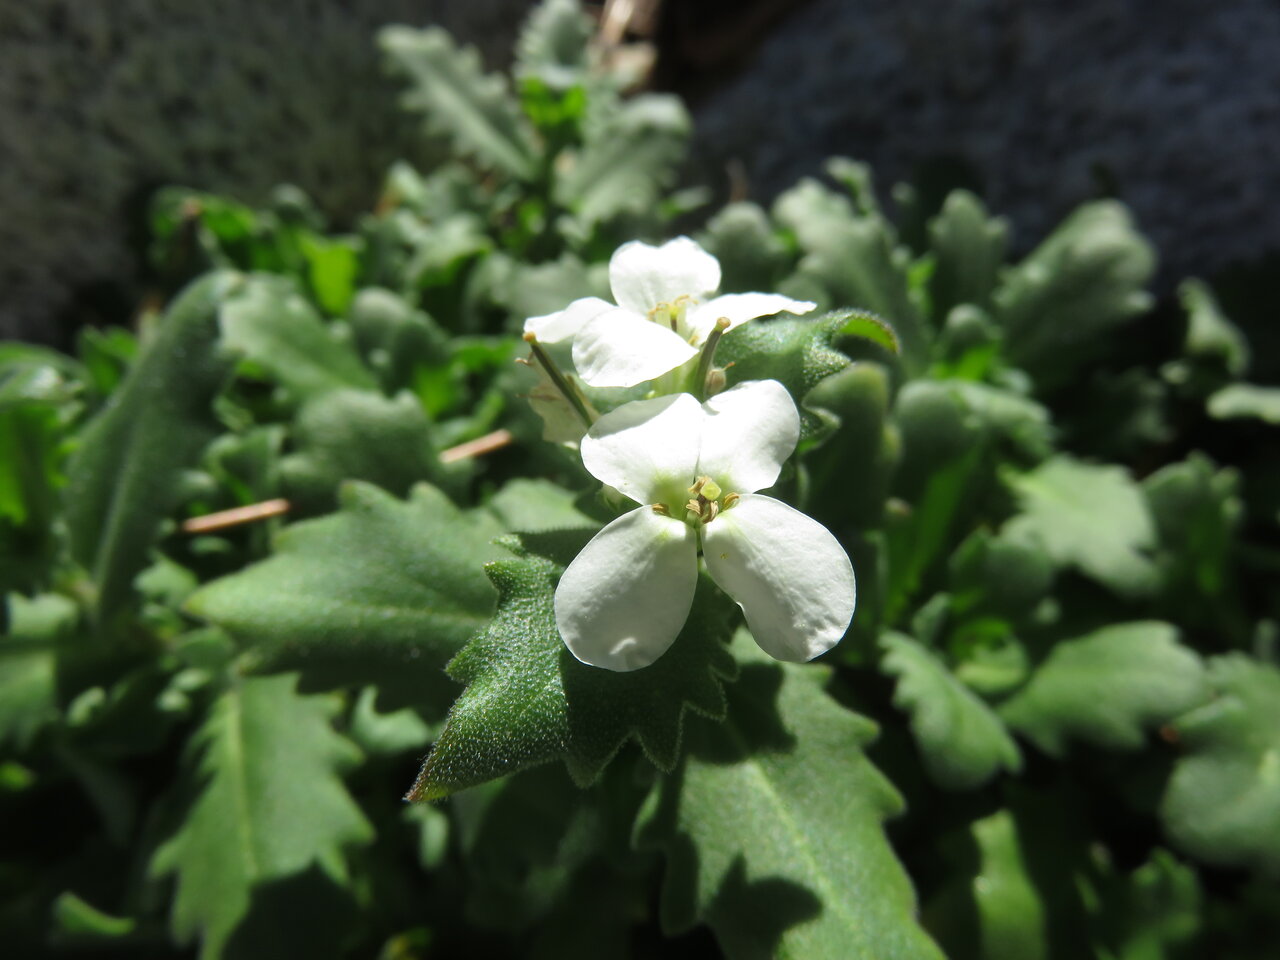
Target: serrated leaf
column 456, row 98
column 269, row 323
column 383, row 592
column 798, row 353
column 1152, row 912
column 272, row 805
column 553, row 44
column 528, row 701
column 358, row 435
column 1222, row 804
column 773, row 827
column 963, row 743
column 1246, row 401
column 854, row 256
column 968, row 252
column 1107, row 688
column 124, row 480
column 1061, row 305
column 533, row 506
column 627, row 159
column 1090, row 517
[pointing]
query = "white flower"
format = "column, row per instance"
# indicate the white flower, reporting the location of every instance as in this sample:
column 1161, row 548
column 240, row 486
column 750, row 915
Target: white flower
column 660, row 320
column 695, row 469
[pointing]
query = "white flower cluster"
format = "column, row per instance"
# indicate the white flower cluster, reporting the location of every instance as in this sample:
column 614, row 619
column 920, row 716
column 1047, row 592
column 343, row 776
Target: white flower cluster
column 694, row 467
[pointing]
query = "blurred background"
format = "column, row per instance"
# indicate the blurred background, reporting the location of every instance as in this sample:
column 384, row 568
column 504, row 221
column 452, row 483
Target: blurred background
column 1171, row 107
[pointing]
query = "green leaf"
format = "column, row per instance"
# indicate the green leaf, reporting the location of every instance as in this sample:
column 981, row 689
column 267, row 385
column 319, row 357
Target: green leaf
column 627, row 159
column 332, row 267
column 773, row 827
column 1151, row 912
column 963, row 743
column 1062, row 305
column 28, row 665
column 271, row 806
column 1211, row 337
column 798, row 353
column 968, row 251
column 1246, row 401
column 553, row 44
column 1222, row 804
column 534, row 506
column 528, row 701
column 1090, row 517
column 124, row 480
column 457, row 99
column 856, row 259
column 383, row 592
column 358, row 435
column 752, row 257
column 269, row 323
column 1108, row 688
column 77, row 920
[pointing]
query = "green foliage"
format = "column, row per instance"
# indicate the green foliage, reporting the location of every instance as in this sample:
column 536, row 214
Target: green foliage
column 1060, row 505
column 819, row 877
column 271, row 805
column 528, row 701
column 382, row 592
column 961, row 740
column 1107, row 688
column 1223, row 800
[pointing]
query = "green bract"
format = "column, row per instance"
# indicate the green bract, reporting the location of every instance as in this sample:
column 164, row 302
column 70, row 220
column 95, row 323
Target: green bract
column 295, row 537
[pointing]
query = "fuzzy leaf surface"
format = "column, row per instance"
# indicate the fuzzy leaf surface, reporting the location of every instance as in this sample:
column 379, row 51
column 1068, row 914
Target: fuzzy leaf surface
column 271, row 805
column 1090, row 517
column 528, row 701
column 269, row 323
column 773, row 827
column 125, row 478
column 1108, row 688
column 449, row 87
column 383, row 592
column 962, row 741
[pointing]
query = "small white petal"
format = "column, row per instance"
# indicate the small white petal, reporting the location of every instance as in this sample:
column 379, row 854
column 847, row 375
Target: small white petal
column 738, row 308
column 747, row 434
column 647, row 449
column 642, row 276
column 623, row 600
column 786, row 571
column 555, row 327
column 621, row 349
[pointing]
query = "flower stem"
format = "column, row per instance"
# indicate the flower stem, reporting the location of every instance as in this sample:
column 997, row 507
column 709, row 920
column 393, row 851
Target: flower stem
column 707, row 357
column 559, row 380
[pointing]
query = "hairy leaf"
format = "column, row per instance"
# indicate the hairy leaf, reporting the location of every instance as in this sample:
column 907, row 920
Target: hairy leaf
column 1222, row 804
column 457, row 99
column 28, row 665
column 269, row 323
column 751, row 255
column 773, row 827
column 528, row 701
column 1060, row 306
column 271, row 805
column 1090, row 517
column 553, row 44
column 968, row 250
column 963, row 743
column 383, row 592
column 1108, row 688
column 124, row 480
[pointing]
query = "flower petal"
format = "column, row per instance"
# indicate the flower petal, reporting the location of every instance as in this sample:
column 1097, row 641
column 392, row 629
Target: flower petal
column 622, row 602
column 747, row 434
column 786, row 571
column 646, row 449
column 555, row 327
column 643, row 276
column 621, row 349
column 738, row 308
